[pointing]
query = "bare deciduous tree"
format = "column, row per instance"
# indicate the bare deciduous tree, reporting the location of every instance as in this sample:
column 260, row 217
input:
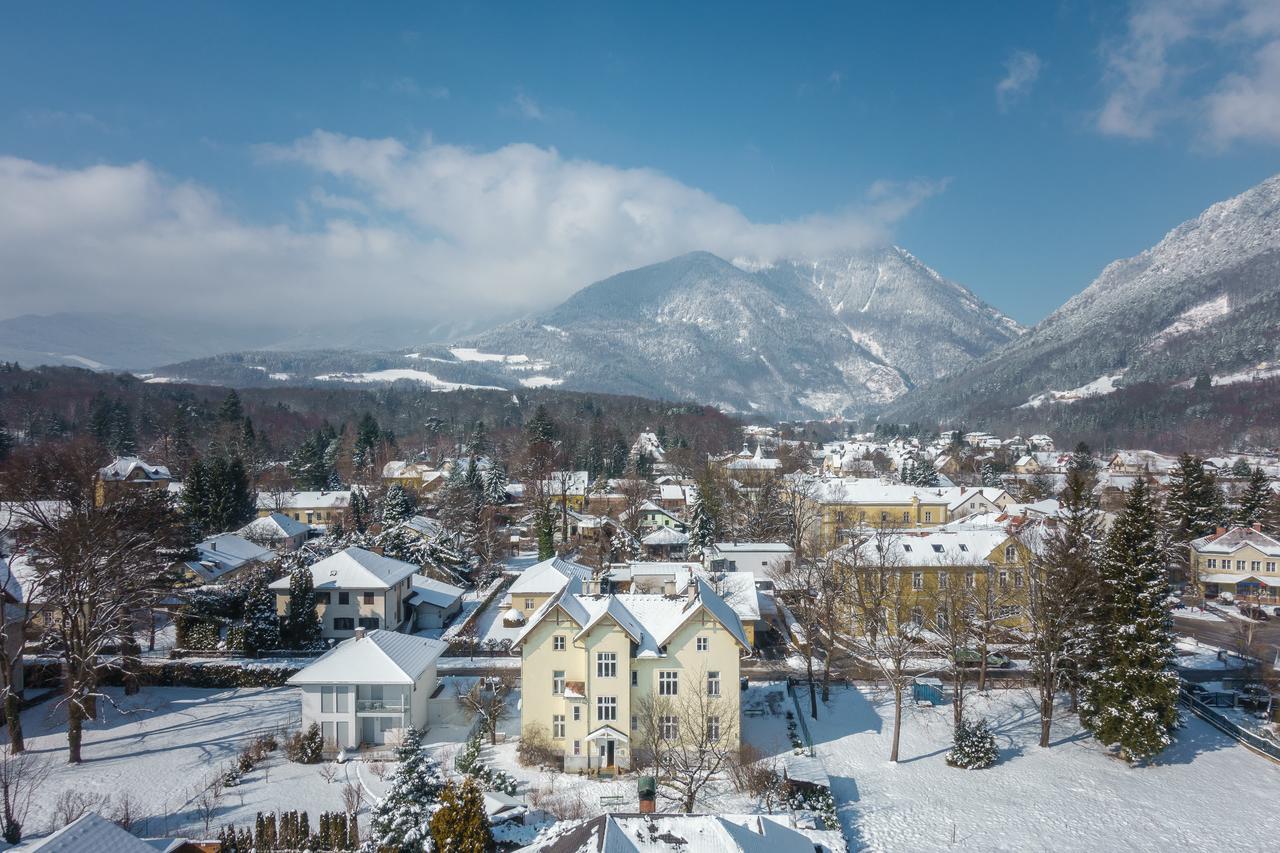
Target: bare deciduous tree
column 97, row 562
column 487, row 699
column 690, row 740
column 21, row 776
column 887, row 624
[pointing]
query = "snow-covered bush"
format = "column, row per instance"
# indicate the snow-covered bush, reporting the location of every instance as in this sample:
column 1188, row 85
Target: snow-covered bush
column 468, row 763
column 975, row 746
column 817, row 800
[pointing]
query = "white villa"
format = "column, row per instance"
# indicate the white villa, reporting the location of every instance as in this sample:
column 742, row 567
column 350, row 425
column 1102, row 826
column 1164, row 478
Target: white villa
column 368, row 689
column 758, row 558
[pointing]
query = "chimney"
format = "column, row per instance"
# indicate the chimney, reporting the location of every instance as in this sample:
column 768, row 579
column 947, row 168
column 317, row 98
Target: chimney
column 691, row 591
column 1257, row 525
column 669, row 587
column 360, row 633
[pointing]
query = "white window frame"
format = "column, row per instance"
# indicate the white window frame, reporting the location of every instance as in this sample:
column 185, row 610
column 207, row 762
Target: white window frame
column 606, row 704
column 557, row 726
column 558, row 643
column 557, row 682
column 668, row 682
column 606, row 664
column 713, row 682
column 702, row 643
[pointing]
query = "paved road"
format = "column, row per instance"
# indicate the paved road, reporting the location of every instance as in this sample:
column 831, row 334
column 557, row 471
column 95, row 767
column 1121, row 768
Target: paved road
column 1226, row 634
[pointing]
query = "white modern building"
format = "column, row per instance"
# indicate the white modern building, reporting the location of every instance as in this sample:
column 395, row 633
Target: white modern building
column 368, row 689
column 759, row 558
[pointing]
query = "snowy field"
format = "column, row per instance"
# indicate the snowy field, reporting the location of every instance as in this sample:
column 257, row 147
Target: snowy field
column 1206, row 790
column 163, row 745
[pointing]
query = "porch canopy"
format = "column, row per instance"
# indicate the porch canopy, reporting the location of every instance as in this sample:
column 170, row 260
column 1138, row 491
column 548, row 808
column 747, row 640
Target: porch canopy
column 607, row 732
column 1235, row 579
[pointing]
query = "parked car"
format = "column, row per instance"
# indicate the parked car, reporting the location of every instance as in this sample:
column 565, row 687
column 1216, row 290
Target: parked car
column 973, row 658
column 1193, row 688
column 1275, row 611
column 1254, row 696
column 1253, row 611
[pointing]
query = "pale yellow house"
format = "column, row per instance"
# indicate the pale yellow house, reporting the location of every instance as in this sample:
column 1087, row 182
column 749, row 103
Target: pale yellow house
column 357, row 589
column 128, row 472
column 1242, row 561
column 317, row 507
column 985, row 567
column 541, row 582
column 846, row 503
column 415, row 477
column 590, row 663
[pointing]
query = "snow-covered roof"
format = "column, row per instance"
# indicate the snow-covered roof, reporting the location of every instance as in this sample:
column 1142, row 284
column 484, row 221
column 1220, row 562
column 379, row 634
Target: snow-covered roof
column 431, row 591
column 379, row 657
column 274, row 526
column 665, row 536
column 89, row 832
column 662, row 833
column 304, row 500
column 1235, row 539
column 672, row 492
column 125, row 467
column 428, row 528
column 752, row 547
column 650, row 620
column 548, row 577
column 224, row 553
column 933, row 547
column 354, row 568
column 855, row 490
column 958, row 496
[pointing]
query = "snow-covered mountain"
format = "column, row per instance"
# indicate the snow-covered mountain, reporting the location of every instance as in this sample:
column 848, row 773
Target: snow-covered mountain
column 795, row 338
column 1205, row 299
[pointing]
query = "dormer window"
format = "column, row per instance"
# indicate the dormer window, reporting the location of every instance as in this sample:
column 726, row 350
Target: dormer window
column 907, row 548
column 937, row 549
column 964, row 547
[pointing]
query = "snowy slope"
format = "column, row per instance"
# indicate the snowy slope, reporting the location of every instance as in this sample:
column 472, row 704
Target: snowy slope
column 794, row 338
column 1206, row 298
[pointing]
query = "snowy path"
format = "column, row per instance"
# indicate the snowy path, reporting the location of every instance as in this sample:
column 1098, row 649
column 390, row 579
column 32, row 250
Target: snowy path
column 1071, row 796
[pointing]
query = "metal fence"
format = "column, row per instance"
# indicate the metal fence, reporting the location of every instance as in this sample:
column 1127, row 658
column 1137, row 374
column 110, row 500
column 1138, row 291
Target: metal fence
column 1254, row 741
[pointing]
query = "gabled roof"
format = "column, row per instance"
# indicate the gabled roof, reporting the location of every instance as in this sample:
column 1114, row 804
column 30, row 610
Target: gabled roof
column 752, row 547
column 354, row 568
column 274, row 526
column 665, row 536
column 1235, row 539
column 649, row 620
column 124, row 468
column 853, row 490
column 935, row 548
column 222, row 554
column 379, row 657
column 653, row 833
column 432, row 591
column 548, row 577
column 305, row 500
column 93, row 833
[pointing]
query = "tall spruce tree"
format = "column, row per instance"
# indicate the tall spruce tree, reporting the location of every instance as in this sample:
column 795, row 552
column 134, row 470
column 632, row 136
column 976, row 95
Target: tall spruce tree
column 702, row 529
column 1129, row 697
column 261, row 625
column 302, row 629
column 1255, row 500
column 397, row 505
column 400, row 821
column 495, row 486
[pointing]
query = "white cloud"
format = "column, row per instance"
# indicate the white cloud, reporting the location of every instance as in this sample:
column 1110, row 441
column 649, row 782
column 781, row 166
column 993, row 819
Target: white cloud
column 528, row 107
column 391, row 231
column 1022, row 69
column 1215, row 63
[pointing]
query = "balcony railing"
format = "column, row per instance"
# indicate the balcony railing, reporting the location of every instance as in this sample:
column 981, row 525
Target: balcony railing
column 391, row 706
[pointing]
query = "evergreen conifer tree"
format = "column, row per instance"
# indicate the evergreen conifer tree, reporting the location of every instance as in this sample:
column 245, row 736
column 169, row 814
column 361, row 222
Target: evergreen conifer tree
column 702, row 529
column 400, row 821
column 397, row 505
column 495, row 486
column 461, row 825
column 261, row 625
column 990, row 479
column 302, row 629
column 1129, row 697
column 1255, row 501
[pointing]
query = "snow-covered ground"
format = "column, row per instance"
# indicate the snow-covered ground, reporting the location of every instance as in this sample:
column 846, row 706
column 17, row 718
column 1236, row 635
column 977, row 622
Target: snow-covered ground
column 395, row 374
column 1205, row 789
column 1101, row 386
column 162, row 746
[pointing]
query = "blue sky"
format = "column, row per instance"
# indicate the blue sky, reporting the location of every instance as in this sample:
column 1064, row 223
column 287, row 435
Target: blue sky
column 495, row 158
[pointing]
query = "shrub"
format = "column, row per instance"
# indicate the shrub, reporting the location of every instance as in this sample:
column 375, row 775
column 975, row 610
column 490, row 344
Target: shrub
column 535, row 748
column 305, row 747
column 975, row 746
column 817, row 800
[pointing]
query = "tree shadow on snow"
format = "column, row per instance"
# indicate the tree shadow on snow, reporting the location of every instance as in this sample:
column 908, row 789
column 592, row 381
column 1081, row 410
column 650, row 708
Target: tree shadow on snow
column 848, row 713
column 1194, row 738
column 845, row 791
